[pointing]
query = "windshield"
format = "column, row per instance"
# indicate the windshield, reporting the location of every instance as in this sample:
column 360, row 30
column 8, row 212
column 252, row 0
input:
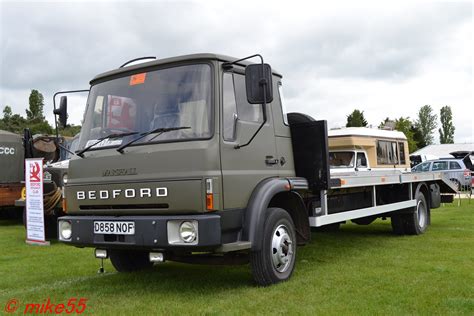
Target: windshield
column 341, row 159
column 72, row 146
column 165, row 98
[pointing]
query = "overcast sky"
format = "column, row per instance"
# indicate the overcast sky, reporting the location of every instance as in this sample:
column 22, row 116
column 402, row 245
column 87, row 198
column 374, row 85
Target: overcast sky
column 385, row 59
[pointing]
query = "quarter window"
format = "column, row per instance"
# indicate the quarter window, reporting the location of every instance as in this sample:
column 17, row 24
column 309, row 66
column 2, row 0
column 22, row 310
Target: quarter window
column 229, row 108
column 454, row 165
column 283, row 104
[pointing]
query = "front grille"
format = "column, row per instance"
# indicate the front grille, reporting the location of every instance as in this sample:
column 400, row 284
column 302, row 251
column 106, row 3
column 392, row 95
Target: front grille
column 125, row 206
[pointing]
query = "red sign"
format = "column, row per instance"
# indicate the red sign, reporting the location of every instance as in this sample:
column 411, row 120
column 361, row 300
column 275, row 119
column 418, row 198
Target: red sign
column 35, row 172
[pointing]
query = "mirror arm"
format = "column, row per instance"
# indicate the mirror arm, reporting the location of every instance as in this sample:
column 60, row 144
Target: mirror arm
column 263, row 82
column 228, row 65
column 264, row 113
column 54, row 106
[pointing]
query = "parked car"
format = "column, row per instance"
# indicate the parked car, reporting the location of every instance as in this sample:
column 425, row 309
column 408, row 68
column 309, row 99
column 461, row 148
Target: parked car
column 458, row 170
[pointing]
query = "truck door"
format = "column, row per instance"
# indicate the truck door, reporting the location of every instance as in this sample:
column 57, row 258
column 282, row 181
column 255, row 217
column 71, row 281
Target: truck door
column 244, row 168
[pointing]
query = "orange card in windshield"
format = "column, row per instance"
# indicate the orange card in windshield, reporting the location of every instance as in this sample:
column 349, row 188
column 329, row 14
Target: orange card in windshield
column 137, row 79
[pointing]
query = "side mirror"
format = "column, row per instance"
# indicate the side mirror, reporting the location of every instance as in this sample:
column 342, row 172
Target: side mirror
column 255, row 76
column 62, row 111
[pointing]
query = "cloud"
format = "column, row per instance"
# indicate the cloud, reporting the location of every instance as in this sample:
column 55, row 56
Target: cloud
column 387, row 60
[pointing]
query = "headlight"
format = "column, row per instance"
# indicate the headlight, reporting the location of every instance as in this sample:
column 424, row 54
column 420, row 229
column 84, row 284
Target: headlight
column 65, row 230
column 65, row 178
column 187, row 232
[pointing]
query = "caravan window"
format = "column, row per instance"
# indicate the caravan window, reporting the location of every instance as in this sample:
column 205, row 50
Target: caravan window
column 387, row 152
column 402, row 153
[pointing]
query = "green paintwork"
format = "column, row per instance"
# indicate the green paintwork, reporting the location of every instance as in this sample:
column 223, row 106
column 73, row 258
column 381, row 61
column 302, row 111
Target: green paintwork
column 12, row 158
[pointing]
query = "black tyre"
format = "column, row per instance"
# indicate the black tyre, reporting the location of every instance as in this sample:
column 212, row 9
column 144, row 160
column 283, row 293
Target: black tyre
column 417, row 222
column 128, row 261
column 275, row 262
column 398, row 224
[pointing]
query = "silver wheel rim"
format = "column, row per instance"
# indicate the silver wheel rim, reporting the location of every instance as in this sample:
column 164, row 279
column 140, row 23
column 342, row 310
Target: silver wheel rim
column 421, row 210
column 282, row 249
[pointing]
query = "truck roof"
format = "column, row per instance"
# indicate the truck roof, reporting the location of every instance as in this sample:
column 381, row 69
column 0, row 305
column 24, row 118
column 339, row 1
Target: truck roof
column 157, row 62
column 9, row 136
column 365, row 131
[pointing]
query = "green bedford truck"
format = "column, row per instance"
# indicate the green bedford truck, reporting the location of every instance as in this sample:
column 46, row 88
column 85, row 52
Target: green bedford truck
column 195, row 159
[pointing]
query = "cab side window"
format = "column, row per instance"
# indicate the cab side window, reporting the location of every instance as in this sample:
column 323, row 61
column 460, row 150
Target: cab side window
column 236, row 105
column 361, row 161
column 246, row 111
column 230, row 107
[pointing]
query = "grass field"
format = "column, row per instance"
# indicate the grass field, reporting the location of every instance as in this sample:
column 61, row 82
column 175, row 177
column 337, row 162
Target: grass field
column 358, row 270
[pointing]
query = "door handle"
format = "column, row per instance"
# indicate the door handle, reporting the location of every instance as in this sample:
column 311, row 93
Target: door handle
column 270, row 160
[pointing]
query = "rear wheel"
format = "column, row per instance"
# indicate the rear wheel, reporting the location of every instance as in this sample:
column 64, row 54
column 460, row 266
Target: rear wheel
column 275, row 262
column 417, row 222
column 398, row 224
column 128, row 261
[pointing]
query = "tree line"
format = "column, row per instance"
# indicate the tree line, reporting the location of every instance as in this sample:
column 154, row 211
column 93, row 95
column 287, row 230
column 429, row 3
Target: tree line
column 34, row 120
column 419, row 132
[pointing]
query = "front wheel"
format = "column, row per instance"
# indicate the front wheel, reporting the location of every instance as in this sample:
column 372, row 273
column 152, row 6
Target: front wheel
column 275, row 261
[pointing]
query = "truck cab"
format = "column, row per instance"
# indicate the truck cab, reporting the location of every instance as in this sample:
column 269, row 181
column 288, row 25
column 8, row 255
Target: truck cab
column 194, row 176
column 348, row 161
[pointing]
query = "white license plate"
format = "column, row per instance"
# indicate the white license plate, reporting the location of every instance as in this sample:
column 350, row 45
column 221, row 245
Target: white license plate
column 114, row 228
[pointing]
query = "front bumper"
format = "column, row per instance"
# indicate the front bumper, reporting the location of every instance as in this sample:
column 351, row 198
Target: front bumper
column 150, row 232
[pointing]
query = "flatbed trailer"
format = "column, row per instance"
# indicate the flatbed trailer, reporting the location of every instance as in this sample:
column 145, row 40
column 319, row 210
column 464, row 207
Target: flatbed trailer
column 375, row 181
column 211, row 169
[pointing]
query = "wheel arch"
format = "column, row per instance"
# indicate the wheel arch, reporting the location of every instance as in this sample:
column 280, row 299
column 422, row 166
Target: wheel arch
column 272, row 192
column 292, row 202
column 425, row 190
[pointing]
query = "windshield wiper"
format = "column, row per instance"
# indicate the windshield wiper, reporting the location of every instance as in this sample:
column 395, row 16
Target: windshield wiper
column 159, row 130
column 113, row 135
column 67, row 149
